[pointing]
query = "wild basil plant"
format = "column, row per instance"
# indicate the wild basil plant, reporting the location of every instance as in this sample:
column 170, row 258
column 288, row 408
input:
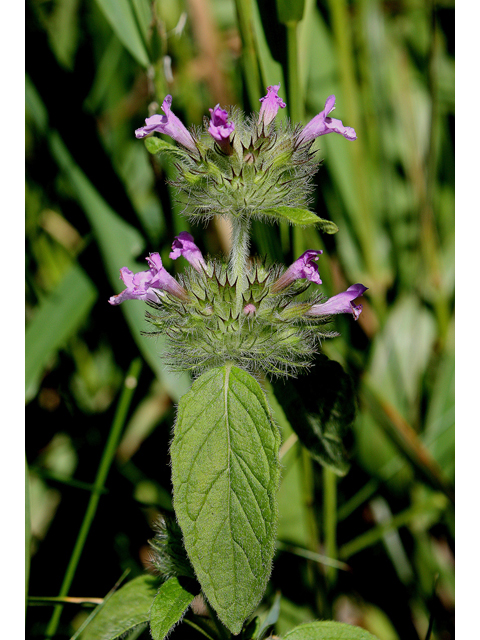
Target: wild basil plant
column 230, row 321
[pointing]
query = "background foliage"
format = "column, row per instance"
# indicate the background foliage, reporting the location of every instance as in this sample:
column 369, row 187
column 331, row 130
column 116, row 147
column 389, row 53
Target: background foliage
column 97, row 201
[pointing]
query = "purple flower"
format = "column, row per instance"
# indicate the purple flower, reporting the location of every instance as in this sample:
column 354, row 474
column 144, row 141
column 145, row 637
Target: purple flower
column 220, row 129
column 341, row 303
column 304, row 267
column 183, row 245
column 321, row 125
column 148, row 285
column 249, row 309
column 271, row 103
column 168, row 124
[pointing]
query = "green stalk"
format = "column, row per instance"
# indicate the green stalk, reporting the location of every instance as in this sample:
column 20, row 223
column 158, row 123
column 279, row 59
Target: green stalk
column 239, row 255
column 308, row 491
column 364, row 224
column 330, row 520
column 436, row 503
column 309, row 498
column 27, row 531
column 98, row 487
column 295, row 97
column 249, row 56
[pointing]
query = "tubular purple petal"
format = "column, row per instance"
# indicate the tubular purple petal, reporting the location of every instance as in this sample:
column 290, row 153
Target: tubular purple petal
column 168, row 124
column 271, row 103
column 304, row 267
column 341, row 303
column 183, row 245
column 148, row 285
column 220, row 129
column 320, row 125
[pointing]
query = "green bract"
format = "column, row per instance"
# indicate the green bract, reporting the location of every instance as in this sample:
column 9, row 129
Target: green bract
column 266, row 175
column 267, row 332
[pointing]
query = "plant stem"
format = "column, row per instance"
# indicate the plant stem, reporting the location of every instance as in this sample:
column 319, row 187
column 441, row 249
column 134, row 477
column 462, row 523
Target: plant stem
column 249, row 55
column 330, row 520
column 239, row 255
column 102, row 473
column 295, row 97
column 362, row 221
column 27, row 530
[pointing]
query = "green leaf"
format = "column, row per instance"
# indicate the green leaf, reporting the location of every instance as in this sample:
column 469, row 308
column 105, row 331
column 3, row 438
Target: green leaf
column 271, row 618
column 55, row 320
column 156, row 145
column 328, row 630
column 225, row 474
column 320, row 408
column 172, row 600
column 271, row 70
column 302, row 217
column 143, row 14
column 128, row 608
column 121, row 18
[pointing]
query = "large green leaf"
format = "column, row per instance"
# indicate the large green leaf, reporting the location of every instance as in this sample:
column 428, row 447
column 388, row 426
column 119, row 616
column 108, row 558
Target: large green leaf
column 121, row 18
column 225, row 474
column 302, row 217
column 128, row 608
column 172, row 600
column 57, row 318
column 328, row 630
column 320, row 408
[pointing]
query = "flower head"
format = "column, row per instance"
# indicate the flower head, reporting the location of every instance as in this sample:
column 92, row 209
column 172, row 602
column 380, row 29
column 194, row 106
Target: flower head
column 220, row 129
column 341, row 303
column 148, row 285
column 168, row 124
column 304, row 267
column 183, row 245
column 321, row 125
column 271, row 103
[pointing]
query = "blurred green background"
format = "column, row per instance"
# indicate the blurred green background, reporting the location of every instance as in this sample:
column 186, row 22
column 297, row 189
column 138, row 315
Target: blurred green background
column 100, row 406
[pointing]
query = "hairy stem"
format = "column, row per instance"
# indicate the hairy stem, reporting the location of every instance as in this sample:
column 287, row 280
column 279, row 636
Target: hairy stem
column 239, row 255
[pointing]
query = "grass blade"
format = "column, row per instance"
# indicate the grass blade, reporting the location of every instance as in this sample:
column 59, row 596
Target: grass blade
column 102, row 473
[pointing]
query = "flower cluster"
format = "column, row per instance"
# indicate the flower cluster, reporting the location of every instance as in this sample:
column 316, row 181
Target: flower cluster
column 275, row 330
column 243, row 312
column 245, row 167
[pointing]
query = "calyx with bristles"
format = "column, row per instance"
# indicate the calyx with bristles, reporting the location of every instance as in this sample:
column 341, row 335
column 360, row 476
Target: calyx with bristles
column 269, row 332
column 264, row 169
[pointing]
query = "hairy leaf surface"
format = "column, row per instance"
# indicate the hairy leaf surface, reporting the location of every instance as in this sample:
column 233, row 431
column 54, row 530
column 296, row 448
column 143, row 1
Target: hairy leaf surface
column 302, row 217
column 128, row 608
column 154, row 145
column 172, row 600
column 225, row 475
column 328, row 630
